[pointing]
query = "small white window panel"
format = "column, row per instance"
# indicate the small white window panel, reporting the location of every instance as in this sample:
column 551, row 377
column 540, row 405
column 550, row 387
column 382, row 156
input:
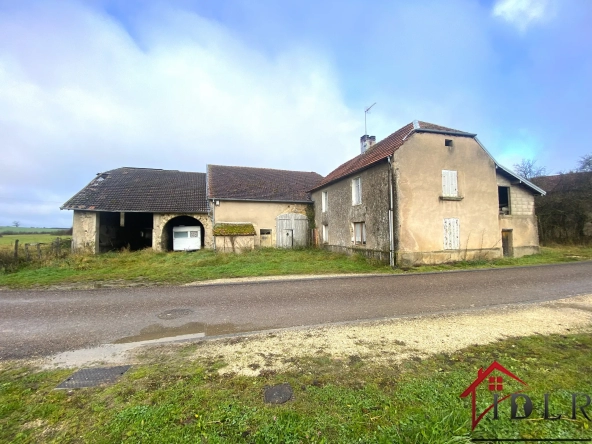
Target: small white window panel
column 325, row 234
column 451, row 234
column 357, row 191
column 325, row 201
column 449, row 183
column 360, row 233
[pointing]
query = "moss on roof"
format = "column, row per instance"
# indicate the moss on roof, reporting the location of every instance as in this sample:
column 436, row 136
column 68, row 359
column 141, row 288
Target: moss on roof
column 234, row 230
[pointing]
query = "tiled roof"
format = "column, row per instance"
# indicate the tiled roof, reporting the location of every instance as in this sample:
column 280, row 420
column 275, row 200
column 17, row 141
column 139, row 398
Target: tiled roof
column 143, row 189
column 564, row 182
column 381, row 151
column 263, row 184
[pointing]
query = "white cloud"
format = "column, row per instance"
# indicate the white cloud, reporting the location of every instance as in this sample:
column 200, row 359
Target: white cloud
column 81, row 97
column 523, row 13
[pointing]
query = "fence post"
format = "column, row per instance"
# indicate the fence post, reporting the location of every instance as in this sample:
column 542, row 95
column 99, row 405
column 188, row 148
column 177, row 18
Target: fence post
column 16, row 248
column 27, row 252
column 39, row 251
column 58, row 246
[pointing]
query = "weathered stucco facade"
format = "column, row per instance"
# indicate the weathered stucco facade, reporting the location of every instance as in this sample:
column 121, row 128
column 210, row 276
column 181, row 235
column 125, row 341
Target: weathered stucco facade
column 263, row 216
column 85, row 231
column 448, row 202
column 421, row 207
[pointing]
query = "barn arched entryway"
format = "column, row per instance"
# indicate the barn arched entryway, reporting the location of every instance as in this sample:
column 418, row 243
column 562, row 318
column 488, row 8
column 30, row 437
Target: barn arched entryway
column 179, row 221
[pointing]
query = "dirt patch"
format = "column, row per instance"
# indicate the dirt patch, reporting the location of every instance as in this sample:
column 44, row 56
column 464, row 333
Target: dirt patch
column 395, row 340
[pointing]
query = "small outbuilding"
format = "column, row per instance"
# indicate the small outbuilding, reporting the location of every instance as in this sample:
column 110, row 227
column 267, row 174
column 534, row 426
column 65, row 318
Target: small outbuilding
column 139, row 208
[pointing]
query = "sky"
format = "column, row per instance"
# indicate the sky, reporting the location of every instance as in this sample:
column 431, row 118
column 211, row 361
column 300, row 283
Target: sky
column 89, row 86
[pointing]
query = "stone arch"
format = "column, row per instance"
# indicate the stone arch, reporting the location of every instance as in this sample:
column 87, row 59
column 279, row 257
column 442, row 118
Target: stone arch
column 167, row 230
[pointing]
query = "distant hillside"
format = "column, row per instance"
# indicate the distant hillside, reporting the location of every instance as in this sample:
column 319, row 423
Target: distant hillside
column 33, row 230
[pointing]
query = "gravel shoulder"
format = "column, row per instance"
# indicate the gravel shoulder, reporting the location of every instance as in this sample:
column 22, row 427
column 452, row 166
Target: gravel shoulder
column 384, row 342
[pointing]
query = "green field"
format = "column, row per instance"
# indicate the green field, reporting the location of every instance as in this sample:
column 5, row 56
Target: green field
column 8, row 239
column 172, row 398
column 30, row 230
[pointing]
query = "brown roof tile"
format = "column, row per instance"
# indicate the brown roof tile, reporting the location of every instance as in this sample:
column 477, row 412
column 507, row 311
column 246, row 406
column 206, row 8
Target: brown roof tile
column 143, row 189
column 243, row 183
column 379, row 151
column 564, row 182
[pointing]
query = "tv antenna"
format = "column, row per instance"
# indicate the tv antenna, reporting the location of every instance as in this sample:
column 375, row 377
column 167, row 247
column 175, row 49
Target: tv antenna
column 366, row 111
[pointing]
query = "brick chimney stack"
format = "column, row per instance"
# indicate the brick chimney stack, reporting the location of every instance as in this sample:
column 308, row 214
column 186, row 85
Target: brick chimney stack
column 366, row 142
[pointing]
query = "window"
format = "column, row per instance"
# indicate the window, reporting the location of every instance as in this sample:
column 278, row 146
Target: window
column 451, row 234
column 180, row 234
column 325, row 201
column 325, row 234
column 449, row 183
column 448, row 142
column 357, row 191
column 503, row 194
column 265, row 232
column 360, row 233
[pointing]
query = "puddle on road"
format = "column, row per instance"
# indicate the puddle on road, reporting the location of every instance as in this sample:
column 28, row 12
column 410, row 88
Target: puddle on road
column 157, row 331
column 115, row 353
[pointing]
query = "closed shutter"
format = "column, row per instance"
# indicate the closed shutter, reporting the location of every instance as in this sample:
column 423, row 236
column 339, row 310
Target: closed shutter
column 357, row 191
column 451, row 234
column 449, row 183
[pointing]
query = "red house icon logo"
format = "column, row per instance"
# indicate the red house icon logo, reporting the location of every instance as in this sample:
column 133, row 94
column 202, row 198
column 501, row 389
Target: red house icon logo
column 494, row 383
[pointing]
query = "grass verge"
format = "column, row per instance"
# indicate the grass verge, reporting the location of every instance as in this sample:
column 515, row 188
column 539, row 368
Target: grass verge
column 150, row 268
column 173, row 399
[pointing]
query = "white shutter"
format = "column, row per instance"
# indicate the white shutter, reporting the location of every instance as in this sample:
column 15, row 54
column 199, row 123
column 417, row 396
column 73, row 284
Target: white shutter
column 451, row 234
column 357, row 191
column 449, row 183
column 324, row 201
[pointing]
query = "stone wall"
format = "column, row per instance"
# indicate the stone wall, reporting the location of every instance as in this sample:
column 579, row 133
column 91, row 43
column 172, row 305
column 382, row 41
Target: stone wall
column 160, row 220
column 85, row 231
column 341, row 214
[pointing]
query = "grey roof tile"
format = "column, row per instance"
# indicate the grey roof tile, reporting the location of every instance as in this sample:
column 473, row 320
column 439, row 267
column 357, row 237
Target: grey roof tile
column 143, row 189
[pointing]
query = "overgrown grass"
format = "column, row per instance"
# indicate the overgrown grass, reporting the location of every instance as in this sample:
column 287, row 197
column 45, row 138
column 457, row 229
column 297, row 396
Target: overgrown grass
column 150, row 268
column 172, row 399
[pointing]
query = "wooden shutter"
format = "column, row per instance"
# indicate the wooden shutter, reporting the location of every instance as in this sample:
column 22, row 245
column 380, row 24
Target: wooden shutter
column 449, row 183
column 451, row 234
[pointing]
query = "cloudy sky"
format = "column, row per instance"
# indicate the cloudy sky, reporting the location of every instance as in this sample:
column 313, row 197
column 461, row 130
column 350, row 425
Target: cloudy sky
column 88, row 86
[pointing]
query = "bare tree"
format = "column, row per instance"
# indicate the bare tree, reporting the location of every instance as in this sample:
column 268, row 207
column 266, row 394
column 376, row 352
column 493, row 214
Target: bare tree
column 585, row 163
column 528, row 169
column 16, row 223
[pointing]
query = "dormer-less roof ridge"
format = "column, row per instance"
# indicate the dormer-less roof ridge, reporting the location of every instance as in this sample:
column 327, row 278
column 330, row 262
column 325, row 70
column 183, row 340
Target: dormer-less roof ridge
column 260, row 184
column 147, row 190
column 387, row 146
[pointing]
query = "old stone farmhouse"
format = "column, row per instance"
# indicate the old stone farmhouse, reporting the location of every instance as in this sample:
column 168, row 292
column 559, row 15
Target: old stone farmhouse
column 427, row 194
column 233, row 208
column 424, row 194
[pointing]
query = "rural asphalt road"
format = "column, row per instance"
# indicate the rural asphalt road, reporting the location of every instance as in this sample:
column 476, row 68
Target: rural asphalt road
column 41, row 323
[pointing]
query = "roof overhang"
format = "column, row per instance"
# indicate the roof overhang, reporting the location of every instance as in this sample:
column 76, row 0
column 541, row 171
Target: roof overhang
column 510, row 173
column 230, row 199
column 99, row 210
column 367, row 167
column 435, row 131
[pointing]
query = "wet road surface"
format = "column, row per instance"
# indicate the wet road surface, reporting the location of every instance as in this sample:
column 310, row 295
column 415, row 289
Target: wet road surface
column 41, row 323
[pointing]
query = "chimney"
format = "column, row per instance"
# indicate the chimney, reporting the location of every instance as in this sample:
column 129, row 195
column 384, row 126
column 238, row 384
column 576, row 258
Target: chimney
column 366, row 142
